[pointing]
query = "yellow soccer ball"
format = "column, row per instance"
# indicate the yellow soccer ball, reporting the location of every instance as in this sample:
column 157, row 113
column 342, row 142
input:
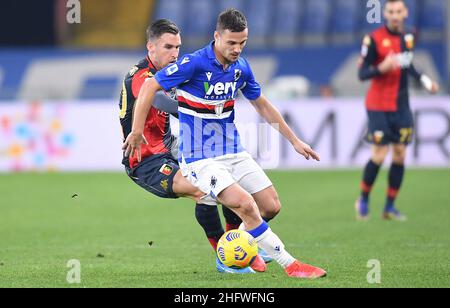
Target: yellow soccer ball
column 237, row 249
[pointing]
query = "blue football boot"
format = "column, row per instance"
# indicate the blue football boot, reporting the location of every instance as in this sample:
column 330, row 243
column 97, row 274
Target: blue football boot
column 221, row 268
column 391, row 213
column 362, row 209
column 264, row 256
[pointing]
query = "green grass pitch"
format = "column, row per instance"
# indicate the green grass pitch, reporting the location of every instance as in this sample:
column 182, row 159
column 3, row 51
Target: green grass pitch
column 106, row 222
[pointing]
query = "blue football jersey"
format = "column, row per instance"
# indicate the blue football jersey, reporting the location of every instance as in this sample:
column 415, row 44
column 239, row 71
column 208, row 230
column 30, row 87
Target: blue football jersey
column 206, row 98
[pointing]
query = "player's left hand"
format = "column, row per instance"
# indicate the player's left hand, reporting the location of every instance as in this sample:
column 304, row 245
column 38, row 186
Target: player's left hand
column 306, row 150
column 133, row 143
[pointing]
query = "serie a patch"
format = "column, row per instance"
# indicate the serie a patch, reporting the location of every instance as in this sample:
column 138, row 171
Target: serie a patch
column 166, row 170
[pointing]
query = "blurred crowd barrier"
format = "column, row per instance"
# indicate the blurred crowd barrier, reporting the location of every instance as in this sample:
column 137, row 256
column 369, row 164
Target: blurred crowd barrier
column 86, row 136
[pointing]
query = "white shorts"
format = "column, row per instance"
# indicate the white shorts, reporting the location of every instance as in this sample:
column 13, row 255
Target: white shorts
column 213, row 175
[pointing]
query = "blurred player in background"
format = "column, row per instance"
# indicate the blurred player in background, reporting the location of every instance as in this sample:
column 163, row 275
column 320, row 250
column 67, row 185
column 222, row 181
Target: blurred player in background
column 207, row 82
column 157, row 169
column 387, row 59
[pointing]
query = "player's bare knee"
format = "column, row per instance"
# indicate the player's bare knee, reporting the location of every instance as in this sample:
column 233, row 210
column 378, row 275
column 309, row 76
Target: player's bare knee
column 399, row 157
column 379, row 154
column 247, row 206
column 378, row 157
column 378, row 160
column 274, row 208
column 399, row 154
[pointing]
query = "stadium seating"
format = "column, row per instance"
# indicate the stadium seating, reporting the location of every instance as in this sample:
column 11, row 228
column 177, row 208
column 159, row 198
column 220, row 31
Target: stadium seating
column 172, row 9
column 259, row 14
column 316, row 21
column 199, row 28
column 344, row 20
column 287, row 20
column 237, row 4
column 413, row 8
column 432, row 20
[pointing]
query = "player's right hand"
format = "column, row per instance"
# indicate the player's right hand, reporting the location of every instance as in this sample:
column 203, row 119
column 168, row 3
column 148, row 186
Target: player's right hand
column 389, row 63
column 306, row 150
column 133, row 144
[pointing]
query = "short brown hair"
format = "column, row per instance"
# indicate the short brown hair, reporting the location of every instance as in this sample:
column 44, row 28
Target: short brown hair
column 159, row 27
column 232, row 20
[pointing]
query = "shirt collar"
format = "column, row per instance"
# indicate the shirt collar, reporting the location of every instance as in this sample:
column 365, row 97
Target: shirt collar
column 212, row 56
column 210, row 51
column 392, row 32
column 151, row 66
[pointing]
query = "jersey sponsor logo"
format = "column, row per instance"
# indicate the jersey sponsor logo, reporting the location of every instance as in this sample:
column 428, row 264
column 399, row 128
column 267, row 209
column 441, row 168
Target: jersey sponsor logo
column 172, row 69
column 220, row 89
column 405, row 59
column 162, row 113
column 386, row 43
column 166, row 170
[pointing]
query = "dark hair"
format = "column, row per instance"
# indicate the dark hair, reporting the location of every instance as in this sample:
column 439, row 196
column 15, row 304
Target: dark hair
column 159, row 27
column 232, row 20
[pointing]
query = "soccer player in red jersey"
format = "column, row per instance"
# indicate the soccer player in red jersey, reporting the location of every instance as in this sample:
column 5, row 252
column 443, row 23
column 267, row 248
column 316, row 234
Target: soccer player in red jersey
column 387, row 59
column 156, row 169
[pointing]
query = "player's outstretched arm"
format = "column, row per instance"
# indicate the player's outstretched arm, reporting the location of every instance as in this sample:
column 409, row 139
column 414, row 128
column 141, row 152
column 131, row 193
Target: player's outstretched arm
column 271, row 114
column 143, row 104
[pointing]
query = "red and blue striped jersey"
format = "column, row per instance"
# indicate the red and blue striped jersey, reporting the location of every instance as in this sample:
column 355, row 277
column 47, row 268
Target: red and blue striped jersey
column 206, row 97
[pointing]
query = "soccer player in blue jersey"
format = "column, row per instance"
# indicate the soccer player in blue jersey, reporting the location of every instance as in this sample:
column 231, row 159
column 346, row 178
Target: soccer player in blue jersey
column 211, row 155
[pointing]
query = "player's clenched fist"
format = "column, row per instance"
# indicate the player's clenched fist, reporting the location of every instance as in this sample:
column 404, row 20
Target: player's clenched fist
column 389, row 63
